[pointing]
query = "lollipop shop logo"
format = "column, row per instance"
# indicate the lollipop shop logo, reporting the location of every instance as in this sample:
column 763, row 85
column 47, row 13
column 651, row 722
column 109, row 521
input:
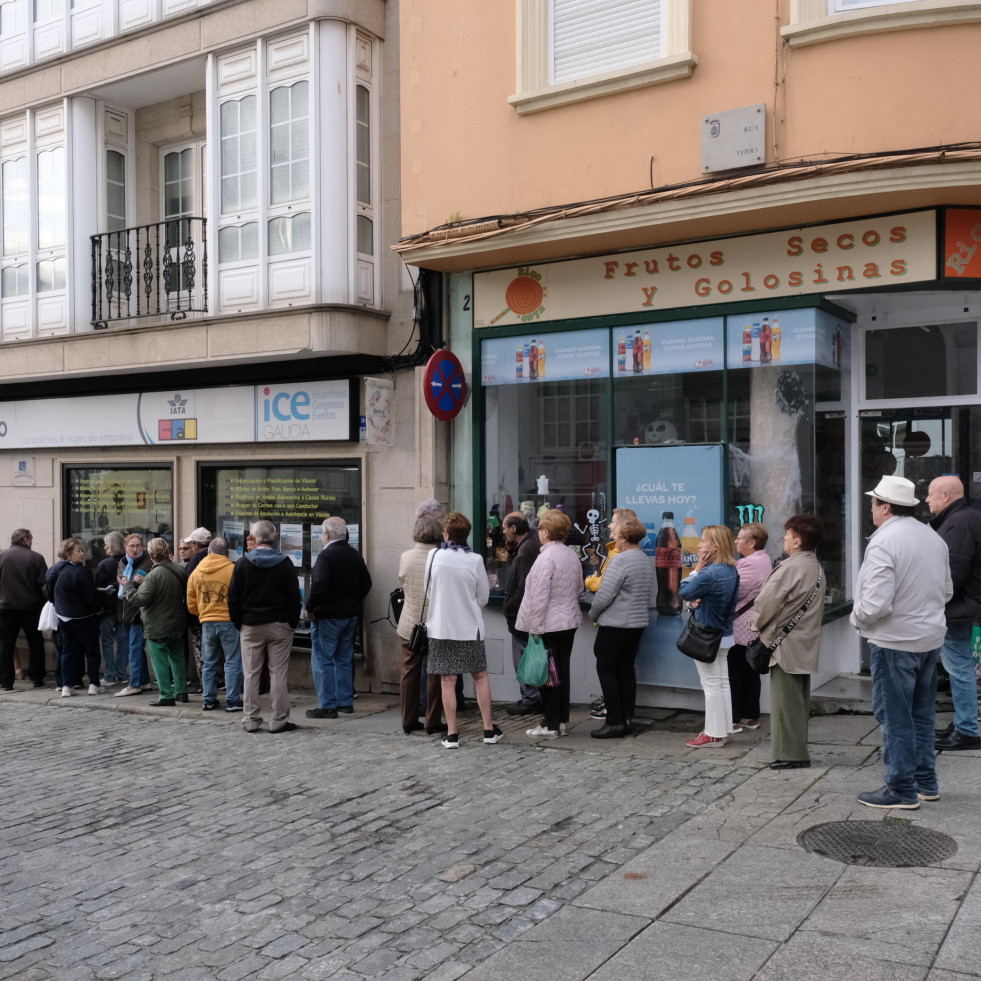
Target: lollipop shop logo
column 524, row 297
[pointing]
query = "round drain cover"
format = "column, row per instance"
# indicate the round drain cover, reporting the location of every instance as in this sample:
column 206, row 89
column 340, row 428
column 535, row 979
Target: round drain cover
column 885, row 844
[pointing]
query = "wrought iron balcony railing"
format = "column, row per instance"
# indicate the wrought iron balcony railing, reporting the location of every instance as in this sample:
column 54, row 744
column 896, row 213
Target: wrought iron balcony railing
column 149, row 271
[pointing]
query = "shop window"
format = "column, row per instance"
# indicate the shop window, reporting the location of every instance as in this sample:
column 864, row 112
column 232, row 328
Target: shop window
column 921, row 362
column 125, row 499
column 295, row 497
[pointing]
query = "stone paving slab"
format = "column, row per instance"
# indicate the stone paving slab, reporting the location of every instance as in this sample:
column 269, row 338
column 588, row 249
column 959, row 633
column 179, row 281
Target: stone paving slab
column 909, row 909
column 821, row 957
column 961, row 948
column 786, row 887
column 667, row 950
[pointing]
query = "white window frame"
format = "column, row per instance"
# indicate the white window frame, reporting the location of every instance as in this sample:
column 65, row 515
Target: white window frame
column 534, row 89
column 814, row 21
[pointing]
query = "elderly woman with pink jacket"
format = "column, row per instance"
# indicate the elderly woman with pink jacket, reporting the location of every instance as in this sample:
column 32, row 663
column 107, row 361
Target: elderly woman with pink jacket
column 550, row 608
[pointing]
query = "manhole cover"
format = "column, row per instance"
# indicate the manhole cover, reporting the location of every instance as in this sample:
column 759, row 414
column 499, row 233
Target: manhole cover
column 877, row 843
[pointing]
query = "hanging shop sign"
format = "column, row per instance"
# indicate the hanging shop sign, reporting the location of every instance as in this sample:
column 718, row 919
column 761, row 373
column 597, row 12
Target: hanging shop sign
column 304, row 412
column 869, row 252
column 962, row 238
column 444, row 385
column 562, row 356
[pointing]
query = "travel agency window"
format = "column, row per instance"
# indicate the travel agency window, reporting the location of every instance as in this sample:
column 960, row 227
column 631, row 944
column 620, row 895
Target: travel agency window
column 130, row 500
column 919, row 416
column 296, row 497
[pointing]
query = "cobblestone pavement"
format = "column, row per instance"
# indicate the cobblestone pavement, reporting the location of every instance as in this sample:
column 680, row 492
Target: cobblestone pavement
column 136, row 847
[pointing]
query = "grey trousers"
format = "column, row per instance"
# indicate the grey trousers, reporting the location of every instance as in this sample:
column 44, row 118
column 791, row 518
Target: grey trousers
column 790, row 705
column 272, row 642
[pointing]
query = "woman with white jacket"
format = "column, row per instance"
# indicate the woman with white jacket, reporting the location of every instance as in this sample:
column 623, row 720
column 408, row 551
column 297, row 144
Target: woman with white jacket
column 457, row 590
column 550, row 609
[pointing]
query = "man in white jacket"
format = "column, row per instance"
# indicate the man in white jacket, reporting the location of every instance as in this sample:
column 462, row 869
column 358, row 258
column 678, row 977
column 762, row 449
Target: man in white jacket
column 903, row 586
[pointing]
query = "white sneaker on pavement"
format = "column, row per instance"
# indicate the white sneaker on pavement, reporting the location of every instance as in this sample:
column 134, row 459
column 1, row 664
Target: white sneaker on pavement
column 95, row 690
column 128, row 690
column 66, row 691
column 542, row 732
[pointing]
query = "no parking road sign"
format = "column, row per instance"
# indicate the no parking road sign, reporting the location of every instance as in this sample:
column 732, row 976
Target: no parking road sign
column 445, row 387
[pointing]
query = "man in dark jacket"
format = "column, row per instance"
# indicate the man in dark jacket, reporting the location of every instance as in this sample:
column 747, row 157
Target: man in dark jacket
column 960, row 527
column 524, row 546
column 339, row 584
column 21, row 598
column 264, row 604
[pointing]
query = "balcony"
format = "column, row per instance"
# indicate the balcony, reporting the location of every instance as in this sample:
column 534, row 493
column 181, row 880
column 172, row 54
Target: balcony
column 150, row 271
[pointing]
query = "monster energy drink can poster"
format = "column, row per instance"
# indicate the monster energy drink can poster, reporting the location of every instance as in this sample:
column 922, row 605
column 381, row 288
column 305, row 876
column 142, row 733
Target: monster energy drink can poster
column 534, row 358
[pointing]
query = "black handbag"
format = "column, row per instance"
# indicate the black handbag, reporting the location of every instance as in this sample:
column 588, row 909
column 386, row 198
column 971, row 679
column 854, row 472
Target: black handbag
column 419, row 638
column 698, row 641
column 758, row 654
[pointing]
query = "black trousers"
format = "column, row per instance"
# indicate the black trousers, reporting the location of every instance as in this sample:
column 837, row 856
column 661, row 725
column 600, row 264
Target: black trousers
column 744, row 685
column 12, row 622
column 555, row 701
column 616, row 650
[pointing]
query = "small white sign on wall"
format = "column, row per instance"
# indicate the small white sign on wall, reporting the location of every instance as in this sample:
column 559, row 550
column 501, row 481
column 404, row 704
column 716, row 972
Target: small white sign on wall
column 734, row 138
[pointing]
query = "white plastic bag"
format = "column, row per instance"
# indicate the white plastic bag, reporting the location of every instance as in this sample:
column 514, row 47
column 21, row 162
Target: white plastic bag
column 48, row 619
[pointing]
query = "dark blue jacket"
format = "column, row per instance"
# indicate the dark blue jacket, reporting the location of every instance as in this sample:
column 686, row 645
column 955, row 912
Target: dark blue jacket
column 340, row 581
column 716, row 586
column 74, row 591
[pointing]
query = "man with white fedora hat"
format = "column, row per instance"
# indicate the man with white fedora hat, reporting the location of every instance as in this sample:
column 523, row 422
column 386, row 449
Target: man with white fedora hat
column 900, row 594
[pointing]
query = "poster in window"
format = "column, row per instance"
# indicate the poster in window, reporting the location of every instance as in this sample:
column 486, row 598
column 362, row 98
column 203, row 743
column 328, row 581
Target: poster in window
column 787, row 337
column 675, row 491
column 668, row 348
column 529, row 359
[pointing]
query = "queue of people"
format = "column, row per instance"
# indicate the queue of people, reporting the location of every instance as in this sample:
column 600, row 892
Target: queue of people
column 138, row 597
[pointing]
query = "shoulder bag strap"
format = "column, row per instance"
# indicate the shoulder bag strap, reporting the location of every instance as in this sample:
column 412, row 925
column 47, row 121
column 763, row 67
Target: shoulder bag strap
column 429, row 572
column 781, row 636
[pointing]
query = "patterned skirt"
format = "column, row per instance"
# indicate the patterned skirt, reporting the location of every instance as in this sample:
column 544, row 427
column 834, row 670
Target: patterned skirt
column 455, row 656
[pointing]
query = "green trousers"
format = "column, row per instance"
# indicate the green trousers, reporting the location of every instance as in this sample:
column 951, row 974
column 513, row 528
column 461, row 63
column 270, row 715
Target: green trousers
column 790, row 705
column 169, row 665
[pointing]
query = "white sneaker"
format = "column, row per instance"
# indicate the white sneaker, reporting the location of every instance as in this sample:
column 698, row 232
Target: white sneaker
column 66, row 692
column 95, row 690
column 128, row 690
column 542, row 732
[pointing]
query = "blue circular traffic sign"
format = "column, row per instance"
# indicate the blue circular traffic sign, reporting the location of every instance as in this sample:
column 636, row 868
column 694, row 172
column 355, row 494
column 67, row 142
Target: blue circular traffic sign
column 445, row 386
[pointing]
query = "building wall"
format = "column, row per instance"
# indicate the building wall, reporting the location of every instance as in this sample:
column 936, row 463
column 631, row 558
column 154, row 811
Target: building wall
column 845, row 96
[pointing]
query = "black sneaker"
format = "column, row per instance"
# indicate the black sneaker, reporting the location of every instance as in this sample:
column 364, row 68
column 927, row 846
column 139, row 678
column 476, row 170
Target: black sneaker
column 451, row 740
column 598, row 710
column 948, row 730
column 210, row 706
column 493, row 735
column 232, row 708
column 319, row 713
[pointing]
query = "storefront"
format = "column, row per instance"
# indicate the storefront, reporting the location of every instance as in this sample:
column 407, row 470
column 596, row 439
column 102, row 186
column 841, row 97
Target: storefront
column 724, row 381
column 161, row 463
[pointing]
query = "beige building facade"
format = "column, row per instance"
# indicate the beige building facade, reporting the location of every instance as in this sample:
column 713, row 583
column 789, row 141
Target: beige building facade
column 716, row 262
column 201, row 318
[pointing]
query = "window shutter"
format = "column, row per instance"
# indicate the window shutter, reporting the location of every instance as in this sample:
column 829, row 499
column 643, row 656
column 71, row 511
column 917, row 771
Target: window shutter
column 594, row 36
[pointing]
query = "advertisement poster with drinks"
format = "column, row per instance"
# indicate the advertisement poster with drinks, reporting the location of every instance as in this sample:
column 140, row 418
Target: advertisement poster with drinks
column 676, row 491
column 668, row 348
column 785, row 337
column 560, row 356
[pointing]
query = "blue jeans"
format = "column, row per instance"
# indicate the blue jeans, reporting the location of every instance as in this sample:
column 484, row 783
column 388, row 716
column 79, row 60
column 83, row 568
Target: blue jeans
column 331, row 657
column 904, row 691
column 221, row 638
column 139, row 670
column 115, row 648
column 957, row 660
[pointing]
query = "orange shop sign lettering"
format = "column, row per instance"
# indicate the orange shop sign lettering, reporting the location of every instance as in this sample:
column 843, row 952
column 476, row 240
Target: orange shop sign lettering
column 843, row 256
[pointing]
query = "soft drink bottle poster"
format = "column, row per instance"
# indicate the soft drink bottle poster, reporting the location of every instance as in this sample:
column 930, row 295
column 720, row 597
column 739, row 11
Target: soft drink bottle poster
column 671, row 488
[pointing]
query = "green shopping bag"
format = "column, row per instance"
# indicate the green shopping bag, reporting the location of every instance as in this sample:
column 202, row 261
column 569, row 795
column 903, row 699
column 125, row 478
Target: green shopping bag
column 976, row 645
column 533, row 666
